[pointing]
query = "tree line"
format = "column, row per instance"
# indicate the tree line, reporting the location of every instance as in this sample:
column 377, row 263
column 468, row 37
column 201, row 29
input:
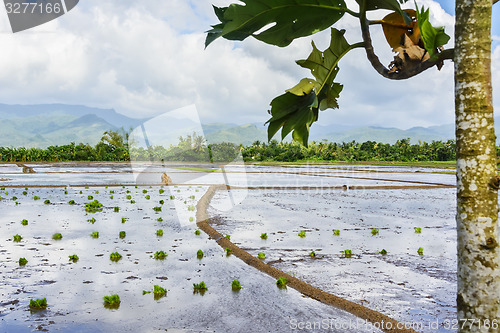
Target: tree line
column 114, row 147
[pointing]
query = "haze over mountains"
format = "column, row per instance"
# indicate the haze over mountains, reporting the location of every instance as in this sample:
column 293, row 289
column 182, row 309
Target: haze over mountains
column 58, row 124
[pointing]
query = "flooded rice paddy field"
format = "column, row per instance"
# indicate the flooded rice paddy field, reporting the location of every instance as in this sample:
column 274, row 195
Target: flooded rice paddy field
column 280, row 200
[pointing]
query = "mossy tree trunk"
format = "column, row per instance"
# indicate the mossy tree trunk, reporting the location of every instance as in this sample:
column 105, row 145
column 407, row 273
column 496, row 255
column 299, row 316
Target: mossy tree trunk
column 478, row 296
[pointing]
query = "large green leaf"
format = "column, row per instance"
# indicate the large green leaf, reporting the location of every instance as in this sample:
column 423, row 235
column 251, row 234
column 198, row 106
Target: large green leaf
column 431, row 36
column 387, row 4
column 282, row 20
column 298, row 108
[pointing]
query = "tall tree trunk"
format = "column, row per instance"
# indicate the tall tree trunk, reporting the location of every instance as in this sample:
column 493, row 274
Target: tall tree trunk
column 478, row 295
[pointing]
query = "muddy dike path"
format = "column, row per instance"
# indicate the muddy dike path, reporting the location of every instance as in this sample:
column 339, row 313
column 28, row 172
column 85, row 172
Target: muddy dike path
column 297, row 207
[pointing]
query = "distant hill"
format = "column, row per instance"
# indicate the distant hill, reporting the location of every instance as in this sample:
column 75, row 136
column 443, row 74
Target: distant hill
column 58, row 124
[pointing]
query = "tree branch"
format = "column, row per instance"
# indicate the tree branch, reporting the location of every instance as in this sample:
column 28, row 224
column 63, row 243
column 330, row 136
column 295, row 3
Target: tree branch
column 380, row 68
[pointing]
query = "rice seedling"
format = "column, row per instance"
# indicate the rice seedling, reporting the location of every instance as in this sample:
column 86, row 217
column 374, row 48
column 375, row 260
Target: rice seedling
column 15, row 198
column 281, row 282
column 172, row 197
column 89, row 197
column 420, row 251
column 47, row 202
column 73, row 258
column 115, row 256
column 236, row 285
column 148, row 197
column 197, row 232
column 25, row 192
column 122, row 234
column 374, row 231
column 160, row 255
column 144, row 191
column 72, row 202
column 132, row 201
column 159, row 219
column 261, row 255
column 95, row 234
column 93, row 207
column 312, row 254
column 129, row 197
column 200, row 288
column 57, row 236
column 199, row 254
column 17, row 238
column 112, row 301
column 418, row 230
column 347, row 253
column 228, row 251
column 263, row 235
column 302, row 234
column 157, row 209
column 159, row 232
column 22, row 261
column 161, row 202
column 159, row 292
column 116, row 209
column 38, row 304
column 383, row 252
column 191, row 219
column 161, row 191
column 124, row 219
column 24, row 222
column 228, row 237
column 36, row 198
column 92, row 220
column 336, row 232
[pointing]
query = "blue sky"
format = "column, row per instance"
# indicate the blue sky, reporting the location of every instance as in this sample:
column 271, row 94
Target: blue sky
column 146, row 57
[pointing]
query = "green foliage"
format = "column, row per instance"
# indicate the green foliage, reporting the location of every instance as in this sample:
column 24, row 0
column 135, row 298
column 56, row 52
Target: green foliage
column 129, row 197
column 89, row 197
column 261, row 255
column 122, row 234
column 199, row 254
column 293, row 19
column 312, row 254
column 148, row 197
column 124, row 219
column 236, row 285
column 36, row 198
column 159, row 232
column 281, row 282
column 420, row 251
column 157, row 209
column 144, row 191
column 15, row 198
column 112, row 301
column 25, row 193
column 336, row 232
column 24, row 222
column 72, row 202
column 191, row 208
column 73, row 258
column 383, row 252
column 263, row 235
column 160, row 255
column 374, row 231
column 431, row 36
column 38, row 304
column 197, row 232
column 57, row 236
column 386, row 4
column 144, row 292
column 418, row 230
column 160, row 219
column 161, row 191
column 115, row 256
column 302, row 234
column 402, row 150
column 191, row 219
column 47, row 202
column 93, row 207
column 298, row 108
column 228, row 251
column 161, row 202
column 92, row 220
column 22, row 261
column 228, row 237
column 95, row 234
column 172, row 197
column 116, row 209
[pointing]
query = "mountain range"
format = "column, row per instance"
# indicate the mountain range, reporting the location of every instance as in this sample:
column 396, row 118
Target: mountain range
column 43, row 125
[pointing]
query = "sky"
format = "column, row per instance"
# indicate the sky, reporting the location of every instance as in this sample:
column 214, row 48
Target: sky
column 144, row 58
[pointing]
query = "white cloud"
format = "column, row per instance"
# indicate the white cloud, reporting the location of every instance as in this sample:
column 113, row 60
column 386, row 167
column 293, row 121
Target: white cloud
column 146, row 57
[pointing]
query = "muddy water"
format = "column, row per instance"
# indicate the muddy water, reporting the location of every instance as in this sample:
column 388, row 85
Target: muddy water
column 75, row 291
column 402, row 284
